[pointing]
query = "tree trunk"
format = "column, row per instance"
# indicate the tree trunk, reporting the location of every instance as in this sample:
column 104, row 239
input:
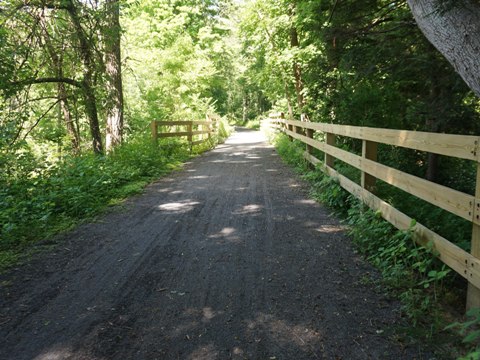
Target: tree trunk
column 57, row 62
column 114, row 76
column 289, row 101
column 454, row 29
column 87, row 83
column 245, row 109
column 297, row 71
column 67, row 117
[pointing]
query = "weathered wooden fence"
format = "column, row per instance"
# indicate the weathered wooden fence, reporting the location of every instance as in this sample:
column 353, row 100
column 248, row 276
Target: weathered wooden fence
column 464, row 205
column 196, row 132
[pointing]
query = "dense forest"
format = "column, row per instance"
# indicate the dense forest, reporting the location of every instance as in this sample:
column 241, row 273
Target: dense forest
column 80, row 82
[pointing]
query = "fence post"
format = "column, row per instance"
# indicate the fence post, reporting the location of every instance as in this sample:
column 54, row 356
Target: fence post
column 286, row 126
column 190, row 135
column 369, row 151
column 154, row 129
column 208, row 126
column 330, row 140
column 473, row 293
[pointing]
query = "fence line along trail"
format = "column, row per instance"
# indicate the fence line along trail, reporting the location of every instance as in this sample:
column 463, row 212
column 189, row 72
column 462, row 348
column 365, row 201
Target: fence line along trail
column 225, row 259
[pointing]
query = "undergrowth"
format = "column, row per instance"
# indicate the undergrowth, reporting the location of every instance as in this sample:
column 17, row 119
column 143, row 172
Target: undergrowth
column 39, row 199
column 410, row 272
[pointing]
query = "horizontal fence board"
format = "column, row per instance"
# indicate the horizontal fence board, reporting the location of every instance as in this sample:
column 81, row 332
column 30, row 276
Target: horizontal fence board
column 456, row 258
column 446, row 198
column 198, row 142
column 459, row 146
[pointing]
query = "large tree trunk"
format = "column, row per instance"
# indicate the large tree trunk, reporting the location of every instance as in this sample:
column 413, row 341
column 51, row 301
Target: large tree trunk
column 114, row 76
column 454, row 29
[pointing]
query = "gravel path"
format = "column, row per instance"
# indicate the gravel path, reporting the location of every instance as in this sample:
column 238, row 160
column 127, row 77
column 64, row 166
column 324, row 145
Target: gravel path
column 226, row 259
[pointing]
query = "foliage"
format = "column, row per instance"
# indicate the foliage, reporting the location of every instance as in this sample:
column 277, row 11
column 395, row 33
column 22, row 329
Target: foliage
column 470, row 330
column 38, row 201
column 179, row 61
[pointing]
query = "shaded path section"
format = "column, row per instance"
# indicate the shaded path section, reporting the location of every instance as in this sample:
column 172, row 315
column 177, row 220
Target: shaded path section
column 226, row 259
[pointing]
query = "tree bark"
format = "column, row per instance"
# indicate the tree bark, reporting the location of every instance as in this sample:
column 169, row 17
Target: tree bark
column 297, row 71
column 114, row 76
column 87, row 83
column 454, row 29
column 57, row 62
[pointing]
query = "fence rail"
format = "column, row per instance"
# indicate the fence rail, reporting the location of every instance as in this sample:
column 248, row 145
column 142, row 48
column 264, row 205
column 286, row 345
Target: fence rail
column 185, row 128
column 463, row 205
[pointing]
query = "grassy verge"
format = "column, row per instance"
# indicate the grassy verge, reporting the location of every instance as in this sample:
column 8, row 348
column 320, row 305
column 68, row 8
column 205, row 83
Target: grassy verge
column 430, row 293
column 39, row 200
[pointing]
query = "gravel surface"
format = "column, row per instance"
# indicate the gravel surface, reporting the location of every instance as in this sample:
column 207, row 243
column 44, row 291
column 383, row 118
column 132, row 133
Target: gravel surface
column 226, row 259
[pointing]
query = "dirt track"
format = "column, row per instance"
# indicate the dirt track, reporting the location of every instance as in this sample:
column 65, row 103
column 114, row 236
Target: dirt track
column 227, row 259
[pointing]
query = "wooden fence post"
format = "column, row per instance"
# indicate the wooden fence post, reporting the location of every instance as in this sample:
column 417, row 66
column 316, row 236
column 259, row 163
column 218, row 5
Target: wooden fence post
column 208, row 126
column 190, row 135
column 473, row 293
column 290, row 127
column 154, row 129
column 369, row 151
column 330, row 140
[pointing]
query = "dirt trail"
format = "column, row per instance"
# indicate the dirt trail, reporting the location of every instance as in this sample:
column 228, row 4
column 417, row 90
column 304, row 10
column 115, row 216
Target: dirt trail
column 226, row 259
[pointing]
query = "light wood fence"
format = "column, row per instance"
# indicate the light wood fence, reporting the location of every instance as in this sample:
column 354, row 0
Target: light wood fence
column 464, row 205
column 196, row 132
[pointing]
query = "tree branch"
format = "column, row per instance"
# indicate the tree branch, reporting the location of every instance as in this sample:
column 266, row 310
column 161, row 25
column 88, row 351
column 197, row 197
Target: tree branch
column 39, row 119
column 46, row 81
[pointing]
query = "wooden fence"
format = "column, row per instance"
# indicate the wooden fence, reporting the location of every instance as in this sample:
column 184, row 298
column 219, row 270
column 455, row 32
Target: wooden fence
column 196, row 132
column 464, row 205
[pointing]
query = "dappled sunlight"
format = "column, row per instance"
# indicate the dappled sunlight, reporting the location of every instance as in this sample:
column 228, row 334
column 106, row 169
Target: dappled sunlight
column 181, row 207
column 60, row 352
column 209, row 314
column 305, row 202
column 226, row 235
column 238, row 351
column 249, row 210
column 199, row 177
column 283, row 333
column 206, row 352
column 165, row 190
column 329, row 228
column 253, row 137
column 224, row 232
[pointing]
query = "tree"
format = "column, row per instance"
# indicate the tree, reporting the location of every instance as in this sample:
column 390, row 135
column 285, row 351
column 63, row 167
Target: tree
column 453, row 27
column 113, row 67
